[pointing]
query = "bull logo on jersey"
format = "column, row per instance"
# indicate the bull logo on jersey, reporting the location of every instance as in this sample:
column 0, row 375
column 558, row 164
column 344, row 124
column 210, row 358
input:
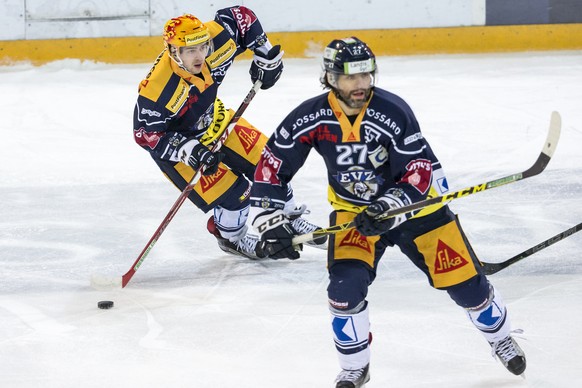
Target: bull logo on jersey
column 147, row 139
column 360, row 182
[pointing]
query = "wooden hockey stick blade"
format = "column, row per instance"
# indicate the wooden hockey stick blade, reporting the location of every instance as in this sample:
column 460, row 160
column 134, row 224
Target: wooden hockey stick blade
column 539, row 166
column 491, row 268
column 104, row 283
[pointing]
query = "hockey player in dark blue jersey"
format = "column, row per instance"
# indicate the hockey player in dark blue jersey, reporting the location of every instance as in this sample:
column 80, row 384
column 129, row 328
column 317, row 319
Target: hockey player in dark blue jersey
column 178, row 117
column 377, row 159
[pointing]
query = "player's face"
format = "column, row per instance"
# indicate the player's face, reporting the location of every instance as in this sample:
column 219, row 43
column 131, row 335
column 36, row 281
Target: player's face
column 193, row 57
column 354, row 89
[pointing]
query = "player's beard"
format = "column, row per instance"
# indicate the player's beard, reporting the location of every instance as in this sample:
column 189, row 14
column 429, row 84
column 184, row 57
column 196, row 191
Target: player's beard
column 351, row 100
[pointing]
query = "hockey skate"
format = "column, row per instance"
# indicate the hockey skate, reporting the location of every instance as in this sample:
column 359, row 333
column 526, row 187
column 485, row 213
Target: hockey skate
column 353, row 378
column 247, row 246
column 510, row 355
column 302, row 226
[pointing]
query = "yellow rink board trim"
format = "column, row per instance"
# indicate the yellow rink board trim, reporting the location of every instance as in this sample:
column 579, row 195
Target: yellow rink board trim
column 410, row 41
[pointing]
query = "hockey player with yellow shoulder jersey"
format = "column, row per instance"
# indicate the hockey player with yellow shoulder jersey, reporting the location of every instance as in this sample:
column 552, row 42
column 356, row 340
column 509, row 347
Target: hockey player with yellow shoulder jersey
column 178, row 117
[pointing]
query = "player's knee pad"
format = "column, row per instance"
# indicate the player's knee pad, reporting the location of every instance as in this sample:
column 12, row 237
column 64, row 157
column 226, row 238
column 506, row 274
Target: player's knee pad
column 351, row 334
column 348, row 285
column 470, row 293
column 231, row 223
column 491, row 317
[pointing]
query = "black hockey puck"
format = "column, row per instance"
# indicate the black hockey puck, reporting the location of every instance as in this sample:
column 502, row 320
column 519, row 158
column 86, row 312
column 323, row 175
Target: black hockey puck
column 105, row 304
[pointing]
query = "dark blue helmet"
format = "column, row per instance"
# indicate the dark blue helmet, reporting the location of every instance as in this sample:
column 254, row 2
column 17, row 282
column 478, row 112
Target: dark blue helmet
column 348, row 56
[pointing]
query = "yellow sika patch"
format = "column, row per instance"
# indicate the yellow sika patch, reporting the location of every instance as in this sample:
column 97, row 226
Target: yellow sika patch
column 247, row 141
column 446, row 255
column 211, row 187
column 350, row 244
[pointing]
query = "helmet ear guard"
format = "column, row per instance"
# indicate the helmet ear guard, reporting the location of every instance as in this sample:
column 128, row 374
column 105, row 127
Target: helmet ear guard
column 330, row 78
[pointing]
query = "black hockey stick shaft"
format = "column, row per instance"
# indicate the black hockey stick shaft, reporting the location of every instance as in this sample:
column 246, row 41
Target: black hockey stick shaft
column 539, row 166
column 491, row 268
column 174, row 209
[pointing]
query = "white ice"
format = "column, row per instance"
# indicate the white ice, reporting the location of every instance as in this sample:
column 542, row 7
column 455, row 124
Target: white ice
column 79, row 197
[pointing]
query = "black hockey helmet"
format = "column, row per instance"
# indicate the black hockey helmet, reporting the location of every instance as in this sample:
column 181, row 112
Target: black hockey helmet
column 347, row 56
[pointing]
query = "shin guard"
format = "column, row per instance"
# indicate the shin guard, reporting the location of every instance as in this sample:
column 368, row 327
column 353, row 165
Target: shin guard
column 491, row 317
column 351, row 336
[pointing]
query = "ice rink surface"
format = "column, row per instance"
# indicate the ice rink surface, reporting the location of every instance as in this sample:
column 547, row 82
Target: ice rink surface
column 79, row 197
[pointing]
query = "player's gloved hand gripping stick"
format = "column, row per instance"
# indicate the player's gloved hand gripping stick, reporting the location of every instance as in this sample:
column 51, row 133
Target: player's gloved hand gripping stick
column 539, row 166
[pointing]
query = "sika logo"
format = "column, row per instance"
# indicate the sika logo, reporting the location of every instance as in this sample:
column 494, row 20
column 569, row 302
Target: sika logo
column 355, row 239
column 208, row 182
column 447, row 259
column 248, row 137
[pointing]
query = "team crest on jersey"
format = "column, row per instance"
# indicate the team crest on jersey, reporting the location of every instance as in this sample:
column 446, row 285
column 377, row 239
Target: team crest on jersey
column 359, row 181
column 371, row 134
column 419, row 174
column 447, row 259
column 244, row 18
column 248, row 137
column 206, row 118
column 268, row 168
column 207, row 182
column 147, row 139
column 356, row 240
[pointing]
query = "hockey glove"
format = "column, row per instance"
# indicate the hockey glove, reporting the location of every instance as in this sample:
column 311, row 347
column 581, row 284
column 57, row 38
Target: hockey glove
column 276, row 235
column 267, row 67
column 367, row 222
column 195, row 155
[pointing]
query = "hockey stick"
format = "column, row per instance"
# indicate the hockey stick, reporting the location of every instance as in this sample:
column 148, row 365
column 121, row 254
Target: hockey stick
column 539, row 166
column 491, row 268
column 123, row 280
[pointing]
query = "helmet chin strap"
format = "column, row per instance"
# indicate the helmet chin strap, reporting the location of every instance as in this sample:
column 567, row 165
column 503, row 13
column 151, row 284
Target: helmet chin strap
column 176, row 58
